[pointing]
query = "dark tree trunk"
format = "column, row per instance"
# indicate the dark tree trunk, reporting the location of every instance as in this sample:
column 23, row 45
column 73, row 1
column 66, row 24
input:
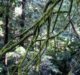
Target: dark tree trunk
column 6, row 28
column 6, row 37
column 65, row 67
column 22, row 23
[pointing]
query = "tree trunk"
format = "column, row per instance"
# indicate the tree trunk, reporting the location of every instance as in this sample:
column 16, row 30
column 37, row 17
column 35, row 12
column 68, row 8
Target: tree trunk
column 6, row 26
column 6, row 37
column 22, row 23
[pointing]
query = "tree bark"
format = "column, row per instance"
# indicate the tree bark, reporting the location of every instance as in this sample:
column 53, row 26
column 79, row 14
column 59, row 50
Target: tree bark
column 6, row 37
column 22, row 23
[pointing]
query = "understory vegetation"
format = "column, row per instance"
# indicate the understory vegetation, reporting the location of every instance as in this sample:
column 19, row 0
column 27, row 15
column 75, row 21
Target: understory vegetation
column 39, row 37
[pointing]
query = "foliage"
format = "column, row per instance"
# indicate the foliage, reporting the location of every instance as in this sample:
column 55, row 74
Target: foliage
column 49, row 27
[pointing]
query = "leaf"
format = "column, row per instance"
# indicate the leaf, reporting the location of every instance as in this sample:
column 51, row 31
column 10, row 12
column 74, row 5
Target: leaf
column 70, row 73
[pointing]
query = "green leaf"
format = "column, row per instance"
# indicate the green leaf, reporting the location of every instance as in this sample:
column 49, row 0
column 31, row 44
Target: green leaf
column 70, row 73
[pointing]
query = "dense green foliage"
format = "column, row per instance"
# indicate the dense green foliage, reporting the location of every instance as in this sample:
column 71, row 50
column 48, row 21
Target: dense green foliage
column 38, row 34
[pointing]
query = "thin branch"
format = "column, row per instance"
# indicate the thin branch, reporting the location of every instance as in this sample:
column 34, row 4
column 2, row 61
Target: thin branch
column 77, row 35
column 57, row 16
column 3, row 51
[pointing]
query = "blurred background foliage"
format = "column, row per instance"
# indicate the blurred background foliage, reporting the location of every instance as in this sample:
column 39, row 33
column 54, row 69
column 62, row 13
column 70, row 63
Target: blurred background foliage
column 39, row 37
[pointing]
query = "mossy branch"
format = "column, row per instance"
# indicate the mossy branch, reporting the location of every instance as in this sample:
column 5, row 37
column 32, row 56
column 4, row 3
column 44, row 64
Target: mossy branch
column 39, row 23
